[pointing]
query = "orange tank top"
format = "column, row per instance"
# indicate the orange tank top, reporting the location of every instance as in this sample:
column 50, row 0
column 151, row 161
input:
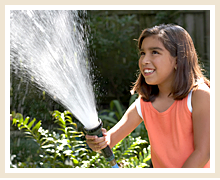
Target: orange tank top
column 170, row 133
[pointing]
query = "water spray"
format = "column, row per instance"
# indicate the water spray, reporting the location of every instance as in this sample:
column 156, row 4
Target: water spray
column 49, row 47
column 107, row 152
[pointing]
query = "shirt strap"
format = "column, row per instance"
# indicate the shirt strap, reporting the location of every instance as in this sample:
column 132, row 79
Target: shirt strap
column 138, row 106
column 189, row 104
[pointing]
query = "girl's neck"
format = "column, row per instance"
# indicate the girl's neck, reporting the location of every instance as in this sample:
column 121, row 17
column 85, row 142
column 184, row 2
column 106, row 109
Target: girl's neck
column 164, row 91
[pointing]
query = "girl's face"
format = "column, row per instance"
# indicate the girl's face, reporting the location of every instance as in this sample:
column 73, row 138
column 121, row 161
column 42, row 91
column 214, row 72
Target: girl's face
column 156, row 64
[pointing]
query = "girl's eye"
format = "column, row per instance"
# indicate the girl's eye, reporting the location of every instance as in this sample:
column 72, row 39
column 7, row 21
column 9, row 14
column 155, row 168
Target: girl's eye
column 142, row 53
column 155, row 52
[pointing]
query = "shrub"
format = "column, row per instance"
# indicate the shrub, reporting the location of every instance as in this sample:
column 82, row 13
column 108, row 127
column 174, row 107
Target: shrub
column 64, row 147
column 114, row 53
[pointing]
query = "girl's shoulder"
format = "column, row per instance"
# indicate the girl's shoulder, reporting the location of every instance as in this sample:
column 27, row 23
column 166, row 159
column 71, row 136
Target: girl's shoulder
column 201, row 94
column 201, row 87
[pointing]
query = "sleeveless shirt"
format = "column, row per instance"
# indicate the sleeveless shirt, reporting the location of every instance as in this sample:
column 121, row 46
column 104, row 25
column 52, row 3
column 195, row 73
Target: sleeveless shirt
column 170, row 132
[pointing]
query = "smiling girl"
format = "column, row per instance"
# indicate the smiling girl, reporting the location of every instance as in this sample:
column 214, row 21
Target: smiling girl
column 174, row 102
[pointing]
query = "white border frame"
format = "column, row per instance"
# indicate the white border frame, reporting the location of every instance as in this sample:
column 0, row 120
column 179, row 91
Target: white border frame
column 109, row 7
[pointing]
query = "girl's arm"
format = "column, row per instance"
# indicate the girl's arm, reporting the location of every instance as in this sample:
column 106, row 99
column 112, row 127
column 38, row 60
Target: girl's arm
column 125, row 126
column 201, row 129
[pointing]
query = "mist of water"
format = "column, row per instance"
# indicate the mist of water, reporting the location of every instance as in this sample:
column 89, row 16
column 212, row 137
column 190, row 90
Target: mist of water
column 49, row 48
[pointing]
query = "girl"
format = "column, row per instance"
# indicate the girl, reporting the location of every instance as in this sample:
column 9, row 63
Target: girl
column 174, row 102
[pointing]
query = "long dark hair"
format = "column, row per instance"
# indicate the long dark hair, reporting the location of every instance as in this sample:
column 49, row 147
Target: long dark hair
column 188, row 73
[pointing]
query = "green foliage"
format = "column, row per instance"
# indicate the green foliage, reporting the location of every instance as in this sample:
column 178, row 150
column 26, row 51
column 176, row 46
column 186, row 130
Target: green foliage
column 129, row 153
column 64, row 147
column 23, row 150
column 114, row 53
column 167, row 17
column 132, row 153
column 111, row 116
column 24, row 92
column 115, row 112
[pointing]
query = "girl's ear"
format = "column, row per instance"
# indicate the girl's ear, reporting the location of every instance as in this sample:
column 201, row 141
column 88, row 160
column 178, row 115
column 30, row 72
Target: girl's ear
column 176, row 64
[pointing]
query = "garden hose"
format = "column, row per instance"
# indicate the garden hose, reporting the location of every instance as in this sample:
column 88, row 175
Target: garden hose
column 107, row 152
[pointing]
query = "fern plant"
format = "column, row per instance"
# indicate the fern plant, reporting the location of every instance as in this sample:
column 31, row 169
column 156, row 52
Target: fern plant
column 66, row 148
column 130, row 149
column 129, row 153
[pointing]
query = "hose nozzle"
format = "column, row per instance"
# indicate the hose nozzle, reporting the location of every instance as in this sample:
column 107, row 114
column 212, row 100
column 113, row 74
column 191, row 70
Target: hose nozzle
column 107, row 152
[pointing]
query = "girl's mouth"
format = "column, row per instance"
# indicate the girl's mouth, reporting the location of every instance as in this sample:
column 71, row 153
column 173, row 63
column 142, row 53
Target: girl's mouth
column 148, row 71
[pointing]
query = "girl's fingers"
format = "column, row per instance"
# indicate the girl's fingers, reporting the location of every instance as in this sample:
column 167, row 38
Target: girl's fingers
column 98, row 147
column 97, row 143
column 88, row 137
column 104, row 132
column 95, row 139
column 102, row 145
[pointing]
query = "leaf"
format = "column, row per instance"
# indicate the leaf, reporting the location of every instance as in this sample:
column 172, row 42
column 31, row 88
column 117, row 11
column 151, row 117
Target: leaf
column 68, row 117
column 14, row 121
column 67, row 152
column 111, row 114
column 62, row 119
column 31, row 123
column 147, row 158
column 47, row 146
column 141, row 157
column 56, row 113
column 27, row 133
column 113, row 120
column 22, row 127
column 118, row 107
column 36, row 127
column 133, row 98
column 61, row 129
column 19, row 117
column 13, row 113
column 26, row 120
column 75, row 161
column 105, row 111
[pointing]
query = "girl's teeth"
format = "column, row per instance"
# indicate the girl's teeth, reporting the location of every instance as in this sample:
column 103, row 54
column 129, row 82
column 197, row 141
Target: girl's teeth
column 148, row 71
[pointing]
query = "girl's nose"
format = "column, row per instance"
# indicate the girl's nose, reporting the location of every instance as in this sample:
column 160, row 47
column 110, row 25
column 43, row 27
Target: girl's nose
column 145, row 60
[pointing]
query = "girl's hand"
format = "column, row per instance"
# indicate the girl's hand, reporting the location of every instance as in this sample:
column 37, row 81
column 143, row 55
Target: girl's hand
column 97, row 143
